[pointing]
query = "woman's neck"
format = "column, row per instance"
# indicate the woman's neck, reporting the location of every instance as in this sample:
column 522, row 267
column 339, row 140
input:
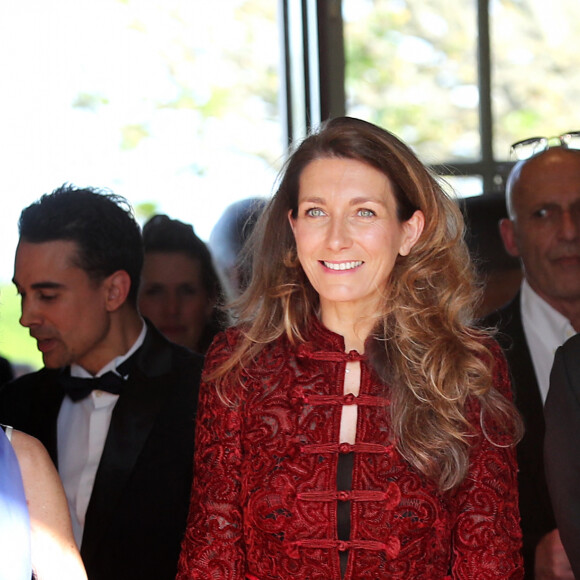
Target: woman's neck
column 354, row 329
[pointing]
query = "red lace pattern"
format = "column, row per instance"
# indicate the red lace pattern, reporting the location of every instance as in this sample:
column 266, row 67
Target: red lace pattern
column 264, row 499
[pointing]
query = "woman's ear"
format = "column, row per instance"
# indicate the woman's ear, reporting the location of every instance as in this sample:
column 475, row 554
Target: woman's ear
column 412, row 230
column 291, row 220
column 117, row 287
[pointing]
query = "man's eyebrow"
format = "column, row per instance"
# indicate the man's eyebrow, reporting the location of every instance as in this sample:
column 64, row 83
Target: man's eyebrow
column 41, row 285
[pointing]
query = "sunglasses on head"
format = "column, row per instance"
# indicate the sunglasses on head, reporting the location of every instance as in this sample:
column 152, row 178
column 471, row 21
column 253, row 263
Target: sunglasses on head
column 534, row 145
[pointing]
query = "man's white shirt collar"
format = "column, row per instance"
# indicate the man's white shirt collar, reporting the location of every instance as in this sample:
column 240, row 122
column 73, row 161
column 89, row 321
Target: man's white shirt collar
column 78, row 371
column 545, row 329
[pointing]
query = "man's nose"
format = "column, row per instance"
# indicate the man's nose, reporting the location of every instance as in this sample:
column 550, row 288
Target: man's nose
column 569, row 225
column 30, row 315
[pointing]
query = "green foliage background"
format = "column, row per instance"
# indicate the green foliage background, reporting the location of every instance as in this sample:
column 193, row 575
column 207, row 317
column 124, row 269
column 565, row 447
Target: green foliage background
column 15, row 342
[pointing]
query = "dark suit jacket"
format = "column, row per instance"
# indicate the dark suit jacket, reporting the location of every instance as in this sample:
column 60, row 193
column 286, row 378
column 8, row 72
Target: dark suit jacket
column 138, row 508
column 535, row 506
column 6, row 372
column 562, row 449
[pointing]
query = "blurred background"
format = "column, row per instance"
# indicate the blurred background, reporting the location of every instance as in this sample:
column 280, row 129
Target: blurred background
column 185, row 106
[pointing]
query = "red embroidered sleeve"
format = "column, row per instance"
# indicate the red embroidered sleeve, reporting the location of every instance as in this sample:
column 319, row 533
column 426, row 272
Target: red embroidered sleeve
column 487, row 535
column 212, row 546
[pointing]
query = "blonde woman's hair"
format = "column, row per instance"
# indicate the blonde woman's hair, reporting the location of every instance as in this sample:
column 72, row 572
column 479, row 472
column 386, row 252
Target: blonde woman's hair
column 425, row 347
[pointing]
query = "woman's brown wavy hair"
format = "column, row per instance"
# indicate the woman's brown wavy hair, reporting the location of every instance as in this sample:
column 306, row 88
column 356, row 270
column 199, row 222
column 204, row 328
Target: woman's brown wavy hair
column 424, row 345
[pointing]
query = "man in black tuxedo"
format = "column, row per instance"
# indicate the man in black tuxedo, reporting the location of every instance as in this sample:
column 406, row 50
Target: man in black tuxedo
column 562, row 411
column 543, row 229
column 115, row 403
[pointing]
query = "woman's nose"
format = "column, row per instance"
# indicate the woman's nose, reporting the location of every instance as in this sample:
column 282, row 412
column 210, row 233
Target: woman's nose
column 173, row 304
column 339, row 235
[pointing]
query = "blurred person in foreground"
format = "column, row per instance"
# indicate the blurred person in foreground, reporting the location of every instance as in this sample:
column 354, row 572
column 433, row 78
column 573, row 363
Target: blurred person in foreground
column 562, row 411
column 35, row 529
column 355, row 424
column 543, row 231
column 115, row 402
column 180, row 290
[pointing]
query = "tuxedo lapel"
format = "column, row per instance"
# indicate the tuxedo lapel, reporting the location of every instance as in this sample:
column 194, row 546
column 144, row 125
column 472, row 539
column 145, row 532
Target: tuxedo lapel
column 573, row 365
column 131, row 423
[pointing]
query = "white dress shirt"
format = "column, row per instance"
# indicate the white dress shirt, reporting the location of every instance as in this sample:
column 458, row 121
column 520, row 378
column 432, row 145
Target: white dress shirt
column 545, row 329
column 82, row 429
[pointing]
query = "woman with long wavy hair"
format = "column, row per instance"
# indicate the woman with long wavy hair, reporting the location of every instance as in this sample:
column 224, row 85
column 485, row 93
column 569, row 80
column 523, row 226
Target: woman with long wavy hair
column 355, row 423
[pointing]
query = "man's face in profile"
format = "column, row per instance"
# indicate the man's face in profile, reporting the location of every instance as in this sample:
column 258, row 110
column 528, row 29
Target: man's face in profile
column 63, row 308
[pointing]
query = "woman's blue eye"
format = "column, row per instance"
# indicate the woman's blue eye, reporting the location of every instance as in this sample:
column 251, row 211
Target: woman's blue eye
column 314, row 212
column 366, row 213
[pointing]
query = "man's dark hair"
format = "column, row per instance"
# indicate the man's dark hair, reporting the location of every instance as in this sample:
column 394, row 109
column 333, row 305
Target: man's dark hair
column 101, row 223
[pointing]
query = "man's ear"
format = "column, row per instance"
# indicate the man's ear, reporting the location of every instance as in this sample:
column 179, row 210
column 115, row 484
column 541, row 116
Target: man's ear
column 117, row 287
column 508, row 235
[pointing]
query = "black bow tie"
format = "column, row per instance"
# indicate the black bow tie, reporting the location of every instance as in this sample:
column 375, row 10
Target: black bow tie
column 78, row 388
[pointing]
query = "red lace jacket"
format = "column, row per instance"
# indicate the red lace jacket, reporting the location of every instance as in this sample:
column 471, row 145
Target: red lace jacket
column 265, row 500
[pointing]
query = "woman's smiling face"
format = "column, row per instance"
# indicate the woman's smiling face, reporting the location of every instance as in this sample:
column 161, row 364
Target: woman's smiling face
column 347, row 232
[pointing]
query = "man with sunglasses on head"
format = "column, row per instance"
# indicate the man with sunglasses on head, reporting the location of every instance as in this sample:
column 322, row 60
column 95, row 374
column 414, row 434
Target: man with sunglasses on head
column 543, row 231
